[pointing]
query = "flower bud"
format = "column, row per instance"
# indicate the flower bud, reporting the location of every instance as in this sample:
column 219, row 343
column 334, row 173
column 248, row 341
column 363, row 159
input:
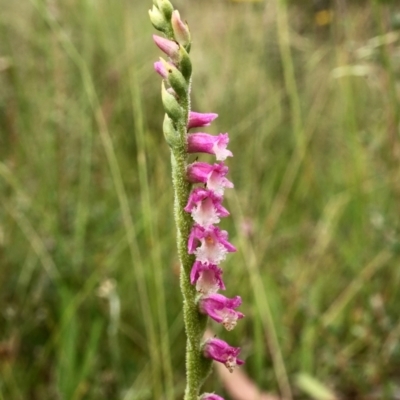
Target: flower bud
column 161, row 69
column 169, row 47
column 181, row 29
column 184, row 63
column 176, row 79
column 166, row 8
column 157, row 19
column 171, row 105
column 170, row 133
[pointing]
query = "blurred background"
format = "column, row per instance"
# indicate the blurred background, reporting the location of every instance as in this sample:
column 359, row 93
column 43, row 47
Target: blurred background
column 90, row 300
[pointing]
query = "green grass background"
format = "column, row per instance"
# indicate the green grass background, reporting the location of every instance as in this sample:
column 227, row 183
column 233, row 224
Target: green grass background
column 89, row 293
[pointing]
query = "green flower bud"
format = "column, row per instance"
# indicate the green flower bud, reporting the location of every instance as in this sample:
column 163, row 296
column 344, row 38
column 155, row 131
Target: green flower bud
column 171, row 105
column 166, row 8
column 175, row 78
column 184, row 63
column 158, row 20
column 170, row 133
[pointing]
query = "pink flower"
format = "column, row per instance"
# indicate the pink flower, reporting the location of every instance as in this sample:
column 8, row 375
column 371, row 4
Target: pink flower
column 220, row 351
column 213, row 244
column 210, row 396
column 221, row 309
column 205, row 143
column 207, row 278
column 212, row 175
column 206, row 207
column 169, row 47
column 197, row 120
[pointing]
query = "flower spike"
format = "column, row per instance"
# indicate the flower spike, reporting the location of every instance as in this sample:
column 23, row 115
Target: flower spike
column 197, row 209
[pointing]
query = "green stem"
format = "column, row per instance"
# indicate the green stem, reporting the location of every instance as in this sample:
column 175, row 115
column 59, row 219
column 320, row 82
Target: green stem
column 197, row 367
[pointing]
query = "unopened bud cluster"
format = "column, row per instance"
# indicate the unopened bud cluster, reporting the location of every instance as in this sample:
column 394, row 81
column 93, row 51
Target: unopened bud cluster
column 207, row 242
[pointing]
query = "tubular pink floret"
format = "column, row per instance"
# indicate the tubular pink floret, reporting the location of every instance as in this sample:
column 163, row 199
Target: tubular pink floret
column 198, row 120
column 220, row 351
column 169, row 47
column 206, row 207
column 210, row 396
column 205, row 143
column 207, row 277
column 221, row 309
column 212, row 175
column 213, row 244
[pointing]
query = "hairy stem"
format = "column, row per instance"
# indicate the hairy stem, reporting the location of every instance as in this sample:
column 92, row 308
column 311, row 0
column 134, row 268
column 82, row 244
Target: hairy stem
column 197, row 366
